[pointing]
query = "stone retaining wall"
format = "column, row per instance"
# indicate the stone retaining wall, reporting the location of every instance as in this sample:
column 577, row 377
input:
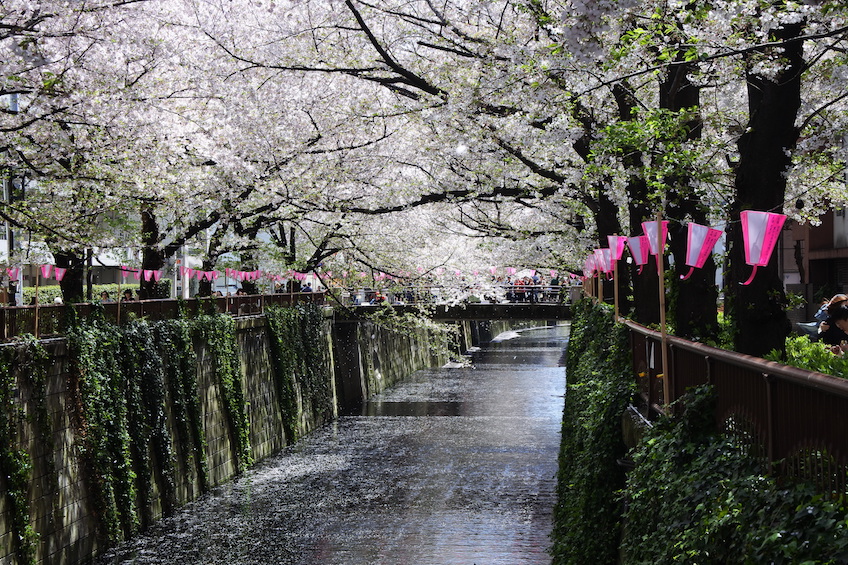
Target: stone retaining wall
column 363, row 359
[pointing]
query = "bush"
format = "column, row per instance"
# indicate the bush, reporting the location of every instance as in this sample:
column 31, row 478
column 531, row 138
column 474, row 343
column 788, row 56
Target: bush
column 695, row 496
column 600, row 384
column 813, row 356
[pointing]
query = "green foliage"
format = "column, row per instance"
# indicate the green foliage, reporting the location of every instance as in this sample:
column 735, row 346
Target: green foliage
column 48, row 293
column 143, row 371
column 103, row 394
column 119, row 380
column 695, row 496
column 726, row 333
column 298, row 351
column 441, row 338
column 813, row 356
column 174, row 344
column 218, row 332
column 27, row 361
column 600, row 384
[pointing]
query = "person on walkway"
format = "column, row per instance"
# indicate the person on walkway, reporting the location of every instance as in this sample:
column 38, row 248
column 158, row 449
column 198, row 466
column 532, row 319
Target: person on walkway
column 834, row 332
column 128, row 296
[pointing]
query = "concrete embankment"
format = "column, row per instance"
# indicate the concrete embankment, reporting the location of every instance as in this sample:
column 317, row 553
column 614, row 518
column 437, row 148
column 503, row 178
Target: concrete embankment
column 60, row 516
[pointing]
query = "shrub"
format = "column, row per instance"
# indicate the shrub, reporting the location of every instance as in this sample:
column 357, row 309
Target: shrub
column 588, row 512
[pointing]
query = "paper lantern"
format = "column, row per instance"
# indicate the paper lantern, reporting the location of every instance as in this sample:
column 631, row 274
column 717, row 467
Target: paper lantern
column 13, row 273
column 45, row 270
column 59, row 273
column 639, row 249
column 589, row 266
column 656, row 243
column 760, row 230
column 616, row 245
column 699, row 244
column 603, row 260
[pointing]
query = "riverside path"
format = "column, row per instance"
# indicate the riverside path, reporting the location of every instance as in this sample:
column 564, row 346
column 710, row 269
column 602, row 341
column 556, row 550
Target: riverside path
column 453, row 466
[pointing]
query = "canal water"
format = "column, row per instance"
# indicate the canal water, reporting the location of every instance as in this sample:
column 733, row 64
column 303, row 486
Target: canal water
column 453, row 466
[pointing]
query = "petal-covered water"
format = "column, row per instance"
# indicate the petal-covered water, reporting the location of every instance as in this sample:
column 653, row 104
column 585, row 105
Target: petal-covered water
column 454, row 466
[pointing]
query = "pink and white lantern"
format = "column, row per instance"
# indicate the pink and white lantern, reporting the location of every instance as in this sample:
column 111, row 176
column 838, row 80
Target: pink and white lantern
column 640, row 250
column 616, row 245
column 699, row 244
column 760, row 230
column 603, row 260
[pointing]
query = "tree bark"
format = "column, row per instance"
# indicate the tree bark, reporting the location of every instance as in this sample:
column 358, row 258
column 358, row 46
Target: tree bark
column 758, row 309
column 694, row 300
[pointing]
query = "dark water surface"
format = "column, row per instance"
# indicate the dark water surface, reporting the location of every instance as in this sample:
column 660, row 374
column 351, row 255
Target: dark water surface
column 454, row 466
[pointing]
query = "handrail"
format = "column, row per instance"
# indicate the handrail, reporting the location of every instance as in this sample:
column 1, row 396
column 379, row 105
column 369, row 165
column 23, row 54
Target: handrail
column 19, row 320
column 795, row 418
column 804, row 377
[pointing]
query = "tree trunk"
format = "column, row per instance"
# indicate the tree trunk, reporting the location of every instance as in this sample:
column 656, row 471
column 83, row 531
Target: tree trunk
column 694, row 300
column 646, row 285
column 152, row 256
column 73, row 281
column 758, row 309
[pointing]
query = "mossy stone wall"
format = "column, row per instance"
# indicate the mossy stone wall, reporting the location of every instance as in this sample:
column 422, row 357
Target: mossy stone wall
column 61, row 502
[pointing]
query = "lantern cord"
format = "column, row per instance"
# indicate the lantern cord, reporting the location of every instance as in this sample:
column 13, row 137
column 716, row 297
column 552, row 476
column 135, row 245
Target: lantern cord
column 687, row 275
column 751, row 278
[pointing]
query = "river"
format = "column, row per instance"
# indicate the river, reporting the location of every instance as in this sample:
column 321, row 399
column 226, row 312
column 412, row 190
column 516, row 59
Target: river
column 453, row 466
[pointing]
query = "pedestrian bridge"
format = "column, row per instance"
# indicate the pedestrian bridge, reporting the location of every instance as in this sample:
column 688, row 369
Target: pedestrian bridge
column 475, row 311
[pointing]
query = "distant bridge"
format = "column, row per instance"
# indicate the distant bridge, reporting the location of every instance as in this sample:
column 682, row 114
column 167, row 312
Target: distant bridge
column 477, row 311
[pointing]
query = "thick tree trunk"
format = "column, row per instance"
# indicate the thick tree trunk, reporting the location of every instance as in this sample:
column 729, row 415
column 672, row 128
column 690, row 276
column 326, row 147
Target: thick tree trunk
column 646, row 284
column 758, row 309
column 694, row 300
column 72, row 284
column 152, row 256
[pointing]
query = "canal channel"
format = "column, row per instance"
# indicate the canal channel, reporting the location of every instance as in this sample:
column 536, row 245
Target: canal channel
column 456, row 465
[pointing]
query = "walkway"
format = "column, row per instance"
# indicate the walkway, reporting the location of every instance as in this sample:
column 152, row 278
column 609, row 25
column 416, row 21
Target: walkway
column 455, row 466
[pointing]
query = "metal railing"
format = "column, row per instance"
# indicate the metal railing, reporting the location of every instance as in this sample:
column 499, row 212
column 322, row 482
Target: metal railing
column 438, row 294
column 795, row 419
column 48, row 320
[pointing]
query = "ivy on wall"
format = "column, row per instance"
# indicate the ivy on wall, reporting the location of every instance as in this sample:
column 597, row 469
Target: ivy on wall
column 143, row 370
column 119, row 382
column 299, row 358
column 693, row 495
column 28, row 361
column 179, row 364
column 102, row 395
column 697, row 496
column 218, row 332
column 599, row 387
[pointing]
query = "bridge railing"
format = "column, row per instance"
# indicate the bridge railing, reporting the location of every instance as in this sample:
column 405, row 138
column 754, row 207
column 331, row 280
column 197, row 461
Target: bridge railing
column 47, row 320
column 795, row 419
column 441, row 294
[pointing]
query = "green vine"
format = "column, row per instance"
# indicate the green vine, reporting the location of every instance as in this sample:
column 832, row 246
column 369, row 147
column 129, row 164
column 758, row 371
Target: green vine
column 219, row 334
column 587, row 514
column 697, row 496
column 299, row 356
column 174, row 343
column 143, row 370
column 103, row 394
column 24, row 362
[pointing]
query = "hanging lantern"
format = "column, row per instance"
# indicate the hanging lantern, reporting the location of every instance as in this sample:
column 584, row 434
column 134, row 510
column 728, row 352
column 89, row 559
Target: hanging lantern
column 616, row 245
column 656, row 244
column 760, row 230
column 699, row 244
column 640, row 250
column 603, row 260
column 589, row 266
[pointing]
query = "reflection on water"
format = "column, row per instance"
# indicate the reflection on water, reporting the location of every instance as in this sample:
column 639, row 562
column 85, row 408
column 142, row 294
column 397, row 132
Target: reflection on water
column 455, row 466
